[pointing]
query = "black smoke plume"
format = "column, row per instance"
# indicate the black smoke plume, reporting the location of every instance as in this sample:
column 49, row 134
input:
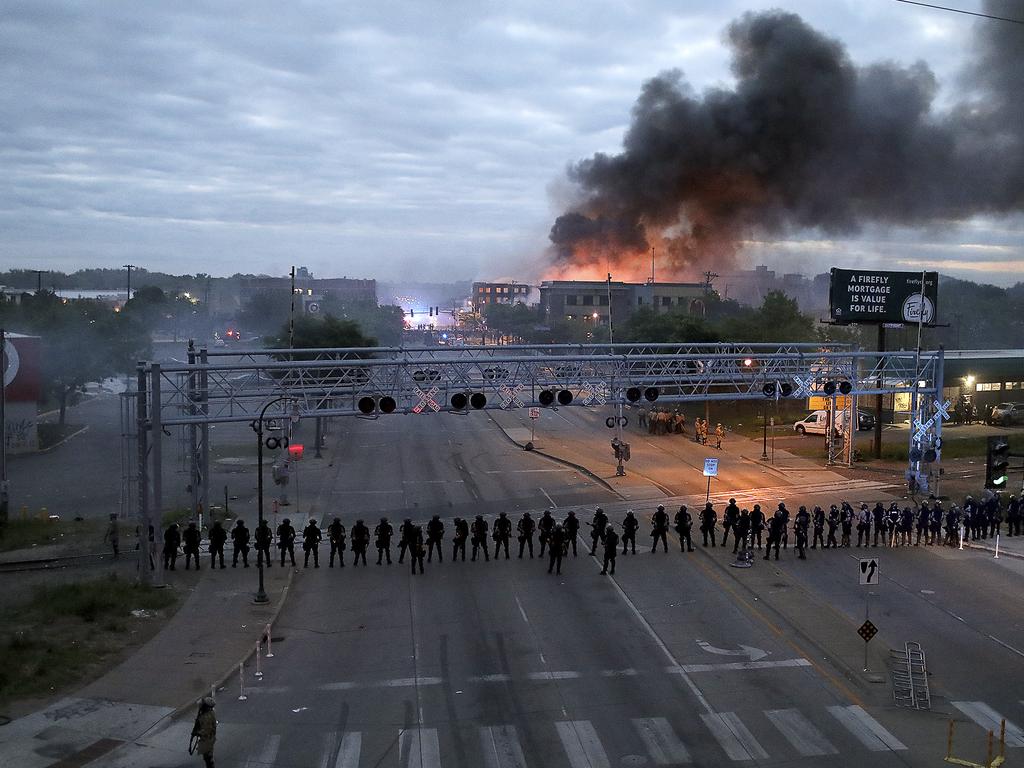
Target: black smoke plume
column 805, row 139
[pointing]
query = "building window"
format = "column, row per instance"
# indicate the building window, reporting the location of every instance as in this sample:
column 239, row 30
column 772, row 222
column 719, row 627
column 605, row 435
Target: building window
column 666, row 301
column 570, row 300
column 989, row 387
column 1011, row 385
column 588, row 301
column 602, row 301
column 639, row 301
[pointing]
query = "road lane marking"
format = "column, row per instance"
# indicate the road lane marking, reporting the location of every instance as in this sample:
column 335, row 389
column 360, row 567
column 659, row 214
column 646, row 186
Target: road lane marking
column 1006, row 645
column 582, row 745
column 989, row 720
column 618, row 673
column 798, row 730
column 523, row 471
column 549, row 498
column 868, row 731
column 330, row 742
column 405, row 682
column 418, row 748
column 663, row 746
column 501, row 747
column 731, row 666
column 561, row 675
column 500, row 678
column 348, row 755
column 733, row 736
column 266, row 755
column 522, row 612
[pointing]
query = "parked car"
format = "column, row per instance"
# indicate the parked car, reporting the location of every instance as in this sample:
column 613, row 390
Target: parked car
column 1006, row 414
column 817, row 422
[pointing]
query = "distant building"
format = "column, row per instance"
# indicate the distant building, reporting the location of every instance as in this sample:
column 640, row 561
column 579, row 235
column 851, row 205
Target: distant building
column 313, row 290
column 499, row 293
column 750, row 286
column 588, row 299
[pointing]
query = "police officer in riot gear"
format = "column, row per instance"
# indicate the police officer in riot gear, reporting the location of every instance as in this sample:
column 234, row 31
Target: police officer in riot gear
column 416, row 549
column 863, row 525
column 240, row 544
column 172, row 540
column 311, row 538
column 629, row 529
column 800, row 524
column 571, row 524
column 597, row 524
column 729, row 518
column 191, row 539
column 479, row 531
column 658, row 532
column 435, row 532
column 404, row 538
column 611, row 547
column 741, row 530
column 757, row 524
column 833, row 523
column 264, row 539
column 336, row 534
column 684, row 524
column 502, row 534
column 557, row 549
column 286, row 540
column 545, row 527
column 775, row 527
column 924, row 517
column 878, row 513
column 382, row 534
column 360, row 541
column 1013, row 514
column 708, row 521
column 459, row 539
column 218, row 537
column 818, row 520
column 525, row 529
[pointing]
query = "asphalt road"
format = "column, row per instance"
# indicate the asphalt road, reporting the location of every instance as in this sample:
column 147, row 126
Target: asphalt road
column 678, row 659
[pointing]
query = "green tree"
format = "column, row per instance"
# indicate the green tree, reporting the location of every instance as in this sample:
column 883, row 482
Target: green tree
column 312, row 332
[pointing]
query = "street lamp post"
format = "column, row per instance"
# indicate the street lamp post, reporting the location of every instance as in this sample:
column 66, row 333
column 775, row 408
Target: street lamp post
column 257, row 427
column 764, row 440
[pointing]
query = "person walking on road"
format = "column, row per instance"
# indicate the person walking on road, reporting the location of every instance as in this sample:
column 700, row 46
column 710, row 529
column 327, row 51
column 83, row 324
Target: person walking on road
column 415, row 549
column 191, row 540
column 658, row 532
column 435, row 532
column 311, row 538
column 204, row 732
column 629, row 528
column 240, row 544
column 382, row 537
column 113, row 537
column 218, row 537
column 572, row 532
column 502, row 534
column 459, row 539
column 611, row 548
column 404, row 538
column 684, row 525
column 801, row 523
column 525, row 528
column 545, row 527
column 286, row 540
column 336, row 536
column 557, row 549
column 263, row 538
column 479, row 532
column 708, row 521
column 732, row 512
column 597, row 524
column 360, row 541
column 172, row 540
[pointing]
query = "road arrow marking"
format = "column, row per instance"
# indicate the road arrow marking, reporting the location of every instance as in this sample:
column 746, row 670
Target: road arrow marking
column 755, row 654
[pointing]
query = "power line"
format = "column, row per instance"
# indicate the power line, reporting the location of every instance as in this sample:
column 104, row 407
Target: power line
column 961, row 10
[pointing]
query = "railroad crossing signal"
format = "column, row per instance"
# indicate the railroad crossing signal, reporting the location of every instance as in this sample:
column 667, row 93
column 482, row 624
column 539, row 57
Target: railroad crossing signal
column 510, row 395
column 867, row 630
column 869, row 572
column 426, row 400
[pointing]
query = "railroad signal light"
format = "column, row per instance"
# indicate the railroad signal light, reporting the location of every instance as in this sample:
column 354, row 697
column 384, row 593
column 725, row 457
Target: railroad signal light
column 633, row 394
column 546, row 397
column 478, row 400
column 459, row 401
column 366, row 405
column 564, row 397
column 387, row 404
column 768, row 389
column 997, row 463
column 829, row 388
column 651, row 394
column 845, row 387
column 785, row 389
column 295, row 452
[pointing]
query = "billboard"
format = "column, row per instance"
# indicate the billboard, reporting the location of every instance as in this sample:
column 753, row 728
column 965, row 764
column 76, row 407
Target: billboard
column 875, row 296
column 21, row 367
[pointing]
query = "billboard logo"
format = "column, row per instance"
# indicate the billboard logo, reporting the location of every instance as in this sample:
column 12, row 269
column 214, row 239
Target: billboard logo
column 912, row 309
column 11, row 362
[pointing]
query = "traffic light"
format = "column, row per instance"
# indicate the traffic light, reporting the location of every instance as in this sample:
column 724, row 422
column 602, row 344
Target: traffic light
column 616, row 448
column 997, row 462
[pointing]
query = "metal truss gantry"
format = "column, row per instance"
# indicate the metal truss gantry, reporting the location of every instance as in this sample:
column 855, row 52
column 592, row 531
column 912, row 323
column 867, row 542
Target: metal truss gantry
column 224, row 385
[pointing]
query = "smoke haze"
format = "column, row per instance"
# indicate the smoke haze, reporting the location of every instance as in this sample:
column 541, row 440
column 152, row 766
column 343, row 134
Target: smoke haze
column 806, row 139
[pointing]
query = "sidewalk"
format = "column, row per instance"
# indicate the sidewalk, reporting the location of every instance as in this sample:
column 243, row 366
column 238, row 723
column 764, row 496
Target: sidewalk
column 1009, row 546
column 217, row 627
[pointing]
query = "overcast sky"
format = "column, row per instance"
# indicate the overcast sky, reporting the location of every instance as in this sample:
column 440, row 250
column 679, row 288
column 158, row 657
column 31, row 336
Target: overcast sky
column 419, row 140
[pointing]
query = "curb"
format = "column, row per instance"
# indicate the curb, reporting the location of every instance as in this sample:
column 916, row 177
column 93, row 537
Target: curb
column 1003, row 553
column 59, row 443
column 565, row 462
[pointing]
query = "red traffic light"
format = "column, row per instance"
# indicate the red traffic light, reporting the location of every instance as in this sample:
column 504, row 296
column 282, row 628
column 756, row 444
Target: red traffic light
column 295, row 452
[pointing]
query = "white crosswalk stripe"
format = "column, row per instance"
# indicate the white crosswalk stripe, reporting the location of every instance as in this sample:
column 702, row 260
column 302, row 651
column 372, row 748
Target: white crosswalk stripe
column 868, row 731
column 798, row 730
column 734, row 737
column 348, row 753
column 582, row 745
column 501, row 747
column 265, row 756
column 663, row 746
column 418, row 748
column 990, row 720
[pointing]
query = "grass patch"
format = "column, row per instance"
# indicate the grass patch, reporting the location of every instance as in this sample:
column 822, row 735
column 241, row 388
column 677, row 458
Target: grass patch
column 51, row 433
column 33, row 532
column 66, row 631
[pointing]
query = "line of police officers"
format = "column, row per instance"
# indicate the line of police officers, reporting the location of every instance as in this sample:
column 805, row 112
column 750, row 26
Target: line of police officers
column 894, row 526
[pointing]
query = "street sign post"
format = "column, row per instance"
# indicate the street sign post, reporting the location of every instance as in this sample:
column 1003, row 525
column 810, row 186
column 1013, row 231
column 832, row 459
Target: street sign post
column 867, row 576
column 534, row 415
column 710, row 470
column 867, row 630
column 869, row 572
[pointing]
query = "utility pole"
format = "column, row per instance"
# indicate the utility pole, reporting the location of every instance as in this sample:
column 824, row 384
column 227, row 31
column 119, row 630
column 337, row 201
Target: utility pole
column 39, row 280
column 129, row 267
column 620, row 470
column 291, row 316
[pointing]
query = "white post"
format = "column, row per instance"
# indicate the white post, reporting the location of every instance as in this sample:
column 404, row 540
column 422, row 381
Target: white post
column 997, row 547
column 213, row 692
column 962, row 535
column 241, row 682
column 259, row 674
column 270, row 653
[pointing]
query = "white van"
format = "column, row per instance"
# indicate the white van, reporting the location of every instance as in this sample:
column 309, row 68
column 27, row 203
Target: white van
column 817, row 423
